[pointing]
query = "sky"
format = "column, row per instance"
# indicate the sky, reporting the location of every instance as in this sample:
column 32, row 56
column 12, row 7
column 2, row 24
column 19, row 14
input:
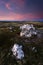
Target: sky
column 21, row 10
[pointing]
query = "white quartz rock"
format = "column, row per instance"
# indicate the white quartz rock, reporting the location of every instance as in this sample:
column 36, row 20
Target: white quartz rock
column 27, row 30
column 17, row 51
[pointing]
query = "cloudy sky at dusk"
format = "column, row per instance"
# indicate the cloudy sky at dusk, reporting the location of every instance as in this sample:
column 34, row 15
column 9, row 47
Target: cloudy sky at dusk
column 21, row 10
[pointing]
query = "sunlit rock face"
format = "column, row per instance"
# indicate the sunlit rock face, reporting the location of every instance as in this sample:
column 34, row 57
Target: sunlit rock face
column 17, row 51
column 27, row 30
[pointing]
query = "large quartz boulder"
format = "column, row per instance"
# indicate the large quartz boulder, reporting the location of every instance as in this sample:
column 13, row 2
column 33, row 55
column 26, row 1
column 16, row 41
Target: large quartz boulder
column 17, row 51
column 27, row 30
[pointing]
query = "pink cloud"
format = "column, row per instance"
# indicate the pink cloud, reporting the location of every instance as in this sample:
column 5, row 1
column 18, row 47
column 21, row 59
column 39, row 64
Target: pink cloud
column 17, row 3
column 17, row 16
column 8, row 6
column 11, row 16
column 39, row 15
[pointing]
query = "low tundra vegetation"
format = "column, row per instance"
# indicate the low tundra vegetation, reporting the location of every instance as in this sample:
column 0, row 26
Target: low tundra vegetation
column 17, row 50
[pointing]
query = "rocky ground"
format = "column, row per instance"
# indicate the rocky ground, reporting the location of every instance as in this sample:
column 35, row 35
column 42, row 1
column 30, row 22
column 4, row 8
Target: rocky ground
column 32, row 47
